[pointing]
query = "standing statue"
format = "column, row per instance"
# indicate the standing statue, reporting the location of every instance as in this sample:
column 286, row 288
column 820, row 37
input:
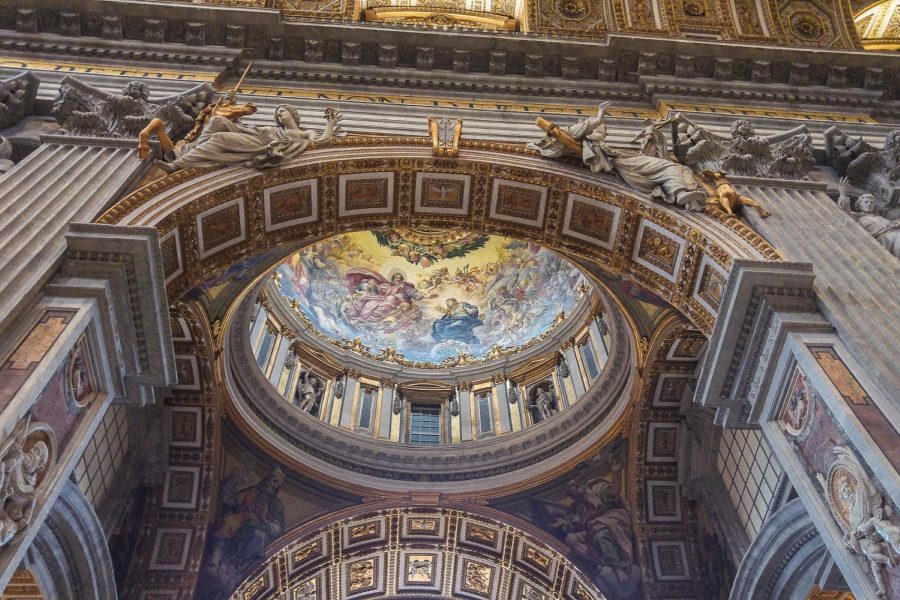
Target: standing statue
column 307, row 395
column 884, row 230
column 513, row 391
column 661, row 178
column 543, row 400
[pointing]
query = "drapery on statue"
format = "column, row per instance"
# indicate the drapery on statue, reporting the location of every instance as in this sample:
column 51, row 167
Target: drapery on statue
column 650, row 170
column 217, row 138
column 886, row 231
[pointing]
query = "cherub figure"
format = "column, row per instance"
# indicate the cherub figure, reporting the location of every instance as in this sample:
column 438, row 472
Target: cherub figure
column 723, row 195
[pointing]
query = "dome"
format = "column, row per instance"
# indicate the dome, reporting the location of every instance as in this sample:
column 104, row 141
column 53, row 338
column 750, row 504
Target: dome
column 426, row 297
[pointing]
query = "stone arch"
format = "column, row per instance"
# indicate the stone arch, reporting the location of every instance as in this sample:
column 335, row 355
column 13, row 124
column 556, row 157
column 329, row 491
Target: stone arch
column 69, row 558
column 210, row 221
column 783, row 561
column 511, row 555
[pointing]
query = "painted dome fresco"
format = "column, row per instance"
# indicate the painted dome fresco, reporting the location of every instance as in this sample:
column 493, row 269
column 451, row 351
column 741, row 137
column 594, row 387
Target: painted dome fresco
column 430, row 295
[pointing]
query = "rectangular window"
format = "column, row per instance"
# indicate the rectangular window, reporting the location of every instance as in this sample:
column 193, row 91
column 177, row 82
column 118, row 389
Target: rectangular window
column 590, row 361
column 263, row 355
column 485, row 417
column 425, row 425
column 365, row 408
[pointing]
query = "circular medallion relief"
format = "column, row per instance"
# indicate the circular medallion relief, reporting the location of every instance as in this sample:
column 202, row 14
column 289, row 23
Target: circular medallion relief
column 843, row 490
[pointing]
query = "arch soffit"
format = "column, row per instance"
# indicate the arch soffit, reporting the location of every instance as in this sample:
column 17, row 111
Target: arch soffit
column 211, row 220
column 505, row 553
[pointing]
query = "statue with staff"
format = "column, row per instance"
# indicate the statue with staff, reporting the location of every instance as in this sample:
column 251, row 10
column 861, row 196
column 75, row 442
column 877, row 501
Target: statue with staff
column 219, row 140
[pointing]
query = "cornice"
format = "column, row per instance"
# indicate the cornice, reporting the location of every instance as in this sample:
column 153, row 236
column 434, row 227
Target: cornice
column 396, row 57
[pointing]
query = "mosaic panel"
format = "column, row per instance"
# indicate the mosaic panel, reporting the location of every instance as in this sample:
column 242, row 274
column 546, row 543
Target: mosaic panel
column 663, row 501
column 366, row 194
column 591, row 220
column 221, row 226
column 442, row 194
column 170, row 549
column 517, row 202
column 658, row 250
column 170, row 251
column 662, row 442
column 670, row 561
column 181, row 487
column 291, row 204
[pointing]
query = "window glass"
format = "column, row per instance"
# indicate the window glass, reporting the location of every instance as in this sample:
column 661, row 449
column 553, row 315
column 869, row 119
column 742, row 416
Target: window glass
column 425, row 425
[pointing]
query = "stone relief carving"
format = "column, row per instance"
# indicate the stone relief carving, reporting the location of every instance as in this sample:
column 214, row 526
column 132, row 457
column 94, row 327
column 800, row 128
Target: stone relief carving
column 871, row 170
column 84, row 110
column 696, row 180
column 6, row 149
column 862, row 514
column 662, row 179
column 885, row 230
column 17, row 96
column 26, row 456
column 225, row 142
column 787, row 155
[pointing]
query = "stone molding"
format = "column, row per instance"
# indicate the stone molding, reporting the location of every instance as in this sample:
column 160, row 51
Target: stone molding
column 783, row 561
column 761, row 304
column 121, row 267
column 342, row 456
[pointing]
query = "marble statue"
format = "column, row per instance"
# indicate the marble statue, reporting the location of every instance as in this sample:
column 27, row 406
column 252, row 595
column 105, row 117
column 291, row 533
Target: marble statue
column 886, row 231
column 308, row 392
column 83, row 110
column 562, row 366
column 17, row 96
column 785, row 155
column 543, row 400
column 861, row 512
column 225, row 142
column 6, row 163
column 24, row 459
column 661, row 178
column 652, row 140
column 513, row 395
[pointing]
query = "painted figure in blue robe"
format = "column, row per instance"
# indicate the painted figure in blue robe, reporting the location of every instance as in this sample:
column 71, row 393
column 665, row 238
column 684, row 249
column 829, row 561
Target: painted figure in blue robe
column 459, row 319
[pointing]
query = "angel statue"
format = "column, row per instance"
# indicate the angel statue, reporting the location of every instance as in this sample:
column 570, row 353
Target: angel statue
column 661, row 178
